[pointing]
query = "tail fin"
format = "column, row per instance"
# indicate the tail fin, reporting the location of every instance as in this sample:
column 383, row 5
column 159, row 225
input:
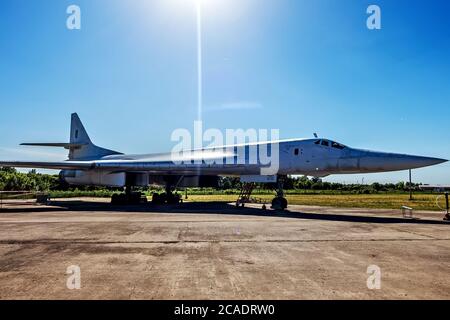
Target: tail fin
column 78, row 134
column 83, row 148
column 80, row 145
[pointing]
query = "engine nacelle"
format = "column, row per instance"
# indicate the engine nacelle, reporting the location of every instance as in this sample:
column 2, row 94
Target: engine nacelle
column 93, row 178
column 105, row 179
column 186, row 181
column 200, row 182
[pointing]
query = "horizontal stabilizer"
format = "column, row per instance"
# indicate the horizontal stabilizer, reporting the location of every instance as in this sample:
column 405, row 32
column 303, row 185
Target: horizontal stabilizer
column 57, row 145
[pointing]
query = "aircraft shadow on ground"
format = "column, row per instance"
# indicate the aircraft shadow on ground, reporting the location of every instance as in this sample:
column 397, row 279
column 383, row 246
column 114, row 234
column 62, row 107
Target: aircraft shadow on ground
column 212, row 208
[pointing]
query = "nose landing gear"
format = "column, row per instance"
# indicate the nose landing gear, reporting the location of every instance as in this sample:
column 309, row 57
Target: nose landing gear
column 280, row 202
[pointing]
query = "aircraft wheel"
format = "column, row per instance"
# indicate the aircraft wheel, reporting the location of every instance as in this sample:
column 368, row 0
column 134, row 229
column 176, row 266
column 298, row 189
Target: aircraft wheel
column 173, row 198
column 115, row 198
column 279, row 203
column 156, row 199
column 133, row 198
column 284, row 203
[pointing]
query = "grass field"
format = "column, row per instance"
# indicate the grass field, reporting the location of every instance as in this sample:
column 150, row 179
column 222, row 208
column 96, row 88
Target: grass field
column 381, row 201
column 421, row 201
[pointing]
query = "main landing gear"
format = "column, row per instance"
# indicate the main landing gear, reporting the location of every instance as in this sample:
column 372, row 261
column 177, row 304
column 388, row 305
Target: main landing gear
column 167, row 198
column 129, row 197
column 280, row 202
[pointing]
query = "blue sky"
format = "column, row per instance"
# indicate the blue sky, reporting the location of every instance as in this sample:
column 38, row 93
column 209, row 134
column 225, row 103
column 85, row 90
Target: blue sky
column 300, row 66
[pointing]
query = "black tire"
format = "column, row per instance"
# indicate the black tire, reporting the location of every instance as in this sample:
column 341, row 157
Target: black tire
column 133, row 198
column 115, row 199
column 276, row 203
column 279, row 203
column 155, row 198
column 284, row 203
column 173, row 198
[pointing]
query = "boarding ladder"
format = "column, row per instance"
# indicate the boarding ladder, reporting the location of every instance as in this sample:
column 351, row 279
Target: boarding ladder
column 245, row 195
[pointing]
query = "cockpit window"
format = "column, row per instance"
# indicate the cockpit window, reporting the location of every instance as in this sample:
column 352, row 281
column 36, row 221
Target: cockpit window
column 337, row 145
column 328, row 143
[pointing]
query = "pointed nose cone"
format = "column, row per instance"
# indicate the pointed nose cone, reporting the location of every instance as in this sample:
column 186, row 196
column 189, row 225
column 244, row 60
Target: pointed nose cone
column 419, row 162
column 371, row 161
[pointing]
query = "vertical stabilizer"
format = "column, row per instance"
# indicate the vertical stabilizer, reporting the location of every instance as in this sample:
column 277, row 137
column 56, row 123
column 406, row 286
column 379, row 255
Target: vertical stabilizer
column 84, row 148
column 78, row 134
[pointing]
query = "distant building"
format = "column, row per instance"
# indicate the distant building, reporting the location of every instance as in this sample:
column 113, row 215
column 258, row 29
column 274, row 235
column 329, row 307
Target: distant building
column 435, row 187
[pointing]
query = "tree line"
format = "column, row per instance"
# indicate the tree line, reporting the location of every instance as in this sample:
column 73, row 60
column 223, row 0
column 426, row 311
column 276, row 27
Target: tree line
column 13, row 180
column 307, row 183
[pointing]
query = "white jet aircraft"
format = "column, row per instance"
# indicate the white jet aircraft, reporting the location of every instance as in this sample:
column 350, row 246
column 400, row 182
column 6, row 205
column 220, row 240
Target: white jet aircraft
column 91, row 165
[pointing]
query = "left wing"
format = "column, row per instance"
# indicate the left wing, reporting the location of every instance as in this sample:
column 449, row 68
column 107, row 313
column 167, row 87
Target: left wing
column 162, row 163
column 63, row 165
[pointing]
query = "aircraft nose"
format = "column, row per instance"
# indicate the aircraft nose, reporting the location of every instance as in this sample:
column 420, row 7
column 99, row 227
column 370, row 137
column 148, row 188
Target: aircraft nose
column 380, row 161
column 419, row 162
